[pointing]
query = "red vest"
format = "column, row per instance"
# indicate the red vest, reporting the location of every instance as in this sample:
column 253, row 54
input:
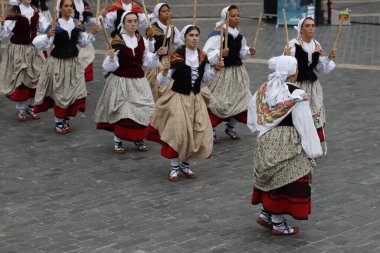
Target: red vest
column 23, row 32
column 131, row 66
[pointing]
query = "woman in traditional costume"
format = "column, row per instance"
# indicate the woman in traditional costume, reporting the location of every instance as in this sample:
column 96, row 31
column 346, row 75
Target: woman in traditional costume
column 22, row 63
column 62, row 85
column 180, row 121
column 112, row 16
column 285, row 150
column 161, row 16
column 230, row 89
column 126, row 104
column 309, row 55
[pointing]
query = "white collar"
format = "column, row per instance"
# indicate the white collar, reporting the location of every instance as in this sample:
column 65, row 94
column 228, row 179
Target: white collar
column 163, row 27
column 127, row 7
column 79, row 6
column 192, row 58
column 27, row 11
column 233, row 31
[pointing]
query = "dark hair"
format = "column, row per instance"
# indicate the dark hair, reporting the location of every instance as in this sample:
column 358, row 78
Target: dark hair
column 233, row 7
column 61, row 4
column 191, row 28
column 63, row 1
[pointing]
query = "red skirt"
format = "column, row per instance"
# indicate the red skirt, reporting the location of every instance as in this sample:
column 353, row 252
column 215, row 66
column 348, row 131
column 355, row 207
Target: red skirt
column 293, row 199
column 215, row 120
column 71, row 111
column 22, row 93
column 125, row 129
column 166, row 150
column 89, row 73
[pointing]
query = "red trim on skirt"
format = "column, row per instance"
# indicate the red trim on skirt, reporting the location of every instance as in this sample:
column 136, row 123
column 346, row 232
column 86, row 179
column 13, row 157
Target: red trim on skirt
column 22, row 93
column 293, row 199
column 89, row 73
column 125, row 129
column 321, row 134
column 71, row 111
column 166, row 150
column 215, row 120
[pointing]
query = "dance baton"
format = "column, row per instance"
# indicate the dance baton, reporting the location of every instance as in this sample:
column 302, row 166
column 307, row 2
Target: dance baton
column 286, row 29
column 170, row 43
column 338, row 33
column 257, row 30
column 105, row 34
column 221, row 44
column 146, row 14
column 227, row 26
column 166, row 32
column 195, row 11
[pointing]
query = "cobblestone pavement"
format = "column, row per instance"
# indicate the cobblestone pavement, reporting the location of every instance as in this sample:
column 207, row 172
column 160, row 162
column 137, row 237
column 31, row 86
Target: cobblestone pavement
column 72, row 194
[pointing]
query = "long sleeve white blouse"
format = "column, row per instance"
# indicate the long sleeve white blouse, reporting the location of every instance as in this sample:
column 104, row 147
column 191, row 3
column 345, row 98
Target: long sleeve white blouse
column 192, row 60
column 325, row 65
column 42, row 42
column 111, row 17
column 150, row 60
column 28, row 12
column 212, row 47
column 303, row 122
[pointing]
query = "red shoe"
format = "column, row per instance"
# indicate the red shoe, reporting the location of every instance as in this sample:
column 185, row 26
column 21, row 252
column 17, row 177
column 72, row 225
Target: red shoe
column 20, row 116
column 185, row 169
column 118, row 148
column 295, row 231
column 30, row 112
column 140, row 146
column 173, row 176
column 59, row 128
column 264, row 223
column 66, row 124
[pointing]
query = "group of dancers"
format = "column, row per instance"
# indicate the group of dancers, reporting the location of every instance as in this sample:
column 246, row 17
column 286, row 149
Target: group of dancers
column 161, row 87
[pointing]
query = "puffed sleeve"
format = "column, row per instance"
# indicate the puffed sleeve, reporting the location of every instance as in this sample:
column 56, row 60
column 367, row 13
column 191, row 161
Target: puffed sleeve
column 150, row 60
column 177, row 41
column 6, row 29
column 143, row 23
column 110, row 18
column 164, row 80
column 208, row 75
column 85, row 38
column 244, row 51
column 325, row 65
column 43, row 24
column 304, row 124
column 42, row 42
column 212, row 49
column 111, row 64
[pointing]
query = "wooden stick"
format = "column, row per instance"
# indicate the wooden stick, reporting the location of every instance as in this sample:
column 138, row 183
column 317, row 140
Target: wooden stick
column 166, row 32
column 170, row 43
column 146, row 14
column 227, row 26
column 195, row 8
column 286, row 28
column 2, row 8
column 221, row 44
column 105, row 34
column 97, row 11
column 55, row 14
column 105, row 4
column 338, row 33
column 257, row 30
column 7, row 6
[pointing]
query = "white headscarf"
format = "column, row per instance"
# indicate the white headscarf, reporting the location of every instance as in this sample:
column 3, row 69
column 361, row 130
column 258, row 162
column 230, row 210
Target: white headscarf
column 182, row 33
column 79, row 5
column 121, row 25
column 299, row 26
column 156, row 12
column 277, row 96
column 223, row 16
